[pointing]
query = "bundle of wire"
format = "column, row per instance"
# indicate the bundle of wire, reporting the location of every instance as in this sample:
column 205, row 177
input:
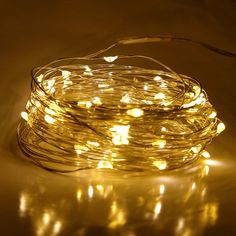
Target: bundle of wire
column 108, row 112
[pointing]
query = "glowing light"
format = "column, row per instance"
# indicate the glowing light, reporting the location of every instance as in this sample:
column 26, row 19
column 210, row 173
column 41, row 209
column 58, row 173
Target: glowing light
column 97, row 101
column 157, row 78
column 196, row 149
column 145, row 87
column 110, row 59
column 90, row 191
column 105, row 165
column 49, row 111
column 191, row 104
column 161, row 164
column 210, row 162
column 160, row 96
column 120, row 134
column 24, row 115
column 193, row 186
column 125, row 98
column 49, row 119
column 135, row 112
column 86, row 104
column 163, row 129
column 23, row 204
column 65, row 74
column 205, row 154
column 79, row 194
column 161, row 143
column 157, row 209
column 57, row 227
column 220, row 127
column 213, row 115
column 40, row 78
column 96, row 144
column 46, row 218
column 80, row 149
column 88, row 71
column 162, row 188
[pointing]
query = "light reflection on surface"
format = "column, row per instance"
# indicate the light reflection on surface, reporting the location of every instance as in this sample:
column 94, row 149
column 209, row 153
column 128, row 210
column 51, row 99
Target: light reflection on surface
column 106, row 204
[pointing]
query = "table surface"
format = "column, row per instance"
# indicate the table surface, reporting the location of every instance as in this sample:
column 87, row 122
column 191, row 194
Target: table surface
column 198, row 201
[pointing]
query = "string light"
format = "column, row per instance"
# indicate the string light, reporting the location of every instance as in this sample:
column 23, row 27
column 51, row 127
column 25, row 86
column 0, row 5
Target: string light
column 97, row 112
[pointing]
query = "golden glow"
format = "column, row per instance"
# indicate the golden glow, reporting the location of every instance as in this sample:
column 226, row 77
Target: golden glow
column 135, row 112
column 49, row 119
column 24, row 115
column 86, row 104
column 110, row 59
column 157, row 78
column 162, row 188
column 125, row 98
column 49, row 111
column 220, row 127
column 213, row 115
column 95, row 144
column 206, row 154
column 196, row 149
column 160, row 96
column 90, row 191
column 80, row 149
column 65, row 74
column 57, row 227
column 40, row 78
column 161, row 165
column 120, row 134
column 97, row 101
column 161, row 143
column 79, row 194
column 105, row 165
column 157, row 208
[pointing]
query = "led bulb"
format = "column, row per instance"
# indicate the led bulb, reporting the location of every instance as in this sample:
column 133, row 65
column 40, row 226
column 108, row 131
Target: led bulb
column 135, row 112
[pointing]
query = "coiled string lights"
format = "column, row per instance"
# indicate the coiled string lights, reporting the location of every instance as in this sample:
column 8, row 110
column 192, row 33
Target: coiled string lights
column 117, row 112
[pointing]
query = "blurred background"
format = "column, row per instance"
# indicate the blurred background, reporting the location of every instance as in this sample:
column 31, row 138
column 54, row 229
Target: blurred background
column 199, row 201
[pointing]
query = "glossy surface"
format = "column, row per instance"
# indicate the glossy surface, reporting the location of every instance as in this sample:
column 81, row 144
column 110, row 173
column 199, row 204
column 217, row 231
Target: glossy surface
column 197, row 201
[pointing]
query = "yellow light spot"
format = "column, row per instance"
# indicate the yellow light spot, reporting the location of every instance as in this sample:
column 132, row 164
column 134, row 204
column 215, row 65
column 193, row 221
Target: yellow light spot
column 97, row 101
column 187, row 105
column 157, row 209
column 103, row 85
column 65, row 74
column 50, row 83
column 163, row 85
column 49, row 119
column 57, row 227
column 220, row 127
column 196, row 149
column 162, row 188
column 24, row 115
column 40, row 78
column 145, row 87
column 213, row 115
column 135, row 112
column 49, row 111
column 125, row 98
column 157, row 78
column 79, row 194
column 193, row 186
column 161, row 143
column 147, row 102
column 105, row 165
column 161, row 164
column 163, row 129
column 120, row 134
column 90, row 191
column 110, row 59
column 86, row 104
column 80, row 149
column 96, row 144
column 23, row 204
column 206, row 154
column 206, row 169
column 160, row 96
column 46, row 218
